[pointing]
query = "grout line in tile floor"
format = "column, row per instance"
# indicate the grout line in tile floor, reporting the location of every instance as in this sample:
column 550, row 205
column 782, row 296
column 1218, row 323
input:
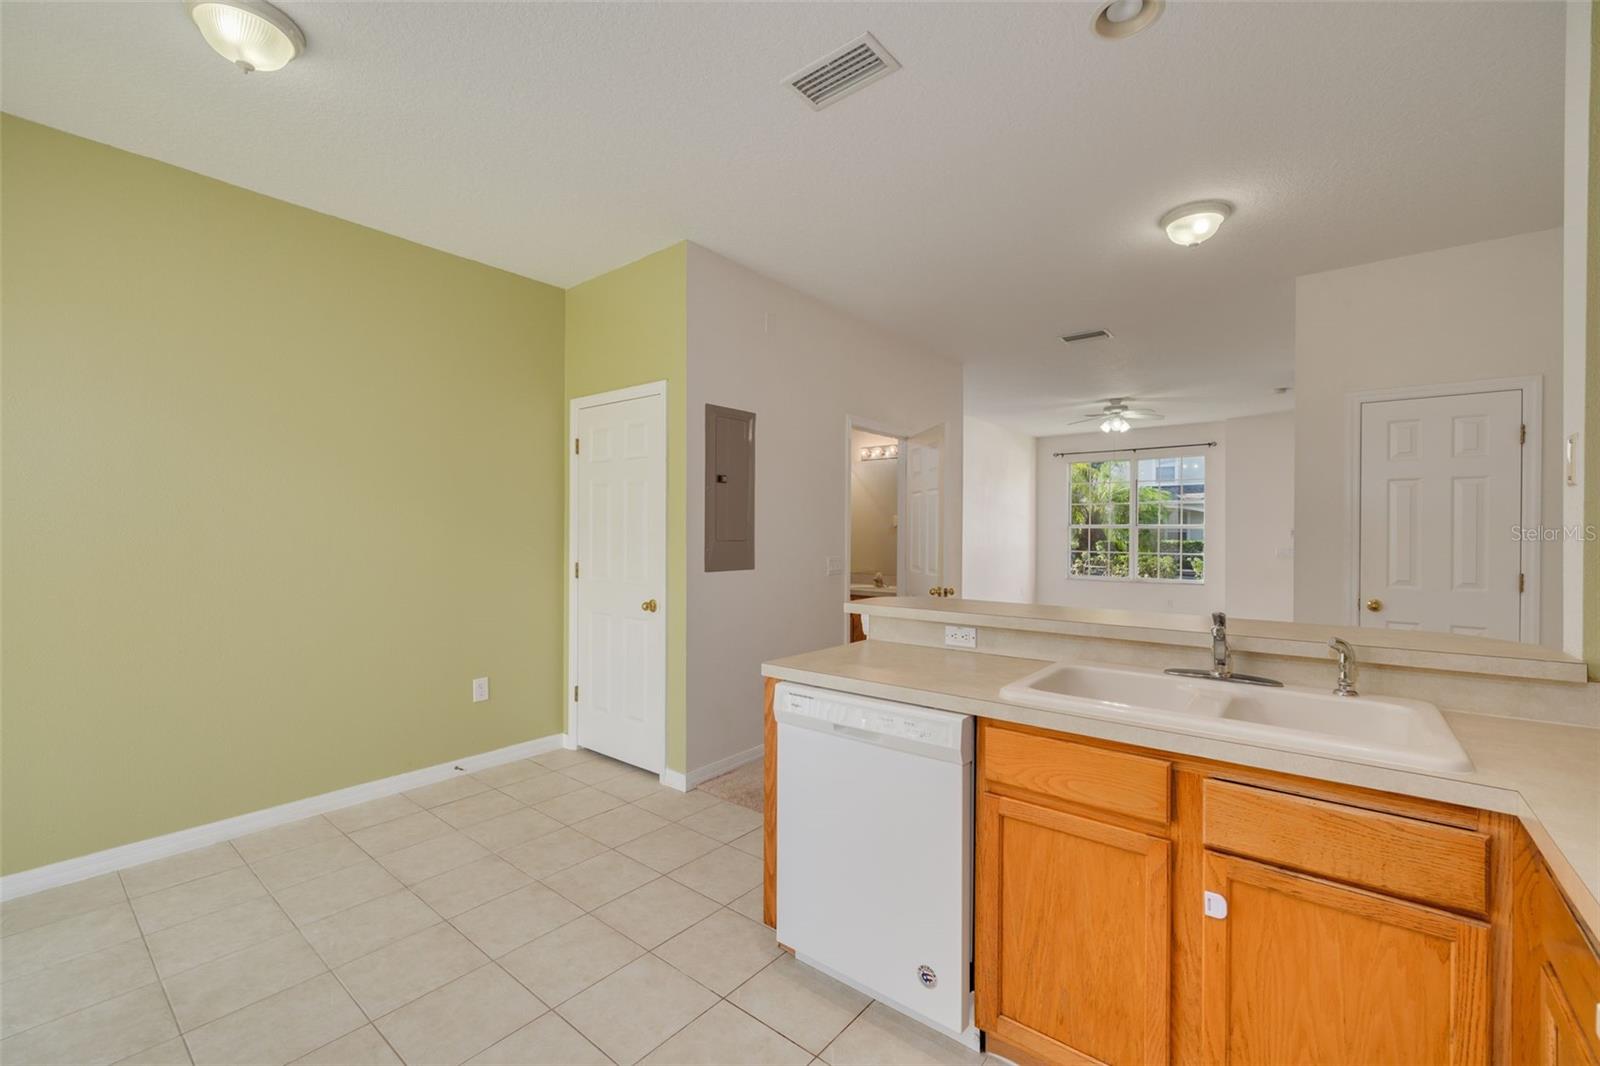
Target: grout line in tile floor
column 430, row 800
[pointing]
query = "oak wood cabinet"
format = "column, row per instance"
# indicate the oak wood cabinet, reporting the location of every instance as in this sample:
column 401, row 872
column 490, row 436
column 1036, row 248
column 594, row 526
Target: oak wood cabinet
column 1075, row 936
column 1133, row 907
column 1302, row 970
column 1556, row 972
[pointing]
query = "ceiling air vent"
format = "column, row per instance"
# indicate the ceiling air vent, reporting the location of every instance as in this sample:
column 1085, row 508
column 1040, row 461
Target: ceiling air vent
column 843, row 71
column 1089, row 335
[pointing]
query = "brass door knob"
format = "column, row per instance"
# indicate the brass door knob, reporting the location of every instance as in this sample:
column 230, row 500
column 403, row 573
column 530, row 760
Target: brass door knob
column 1374, row 604
column 948, row 591
column 648, row 605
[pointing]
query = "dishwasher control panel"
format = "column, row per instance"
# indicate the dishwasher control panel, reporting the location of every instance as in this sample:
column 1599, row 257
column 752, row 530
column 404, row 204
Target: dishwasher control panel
column 866, row 718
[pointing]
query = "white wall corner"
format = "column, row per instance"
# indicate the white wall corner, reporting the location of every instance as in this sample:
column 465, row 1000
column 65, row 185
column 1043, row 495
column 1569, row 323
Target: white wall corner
column 1574, row 310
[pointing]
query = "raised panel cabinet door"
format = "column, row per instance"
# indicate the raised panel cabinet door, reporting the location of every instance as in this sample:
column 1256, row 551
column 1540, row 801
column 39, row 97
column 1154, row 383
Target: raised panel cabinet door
column 1073, row 935
column 1304, row 971
column 1562, row 1040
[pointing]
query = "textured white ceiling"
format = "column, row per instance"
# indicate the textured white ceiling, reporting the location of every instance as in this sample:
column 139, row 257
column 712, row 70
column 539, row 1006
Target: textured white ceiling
column 998, row 191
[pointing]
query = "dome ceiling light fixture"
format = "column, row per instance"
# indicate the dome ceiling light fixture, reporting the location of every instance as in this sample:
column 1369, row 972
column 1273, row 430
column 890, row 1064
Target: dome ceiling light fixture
column 1194, row 224
column 251, row 34
column 1124, row 18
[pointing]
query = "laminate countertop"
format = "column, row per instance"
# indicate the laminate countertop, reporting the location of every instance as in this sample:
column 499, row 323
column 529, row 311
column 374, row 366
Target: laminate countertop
column 1546, row 774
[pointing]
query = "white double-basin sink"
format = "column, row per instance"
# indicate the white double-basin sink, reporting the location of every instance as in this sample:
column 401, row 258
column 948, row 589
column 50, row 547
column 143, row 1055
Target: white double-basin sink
column 1378, row 729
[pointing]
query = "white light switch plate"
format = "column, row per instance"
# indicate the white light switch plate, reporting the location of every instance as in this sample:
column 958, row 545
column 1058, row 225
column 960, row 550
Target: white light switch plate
column 960, row 637
column 834, row 565
column 480, row 689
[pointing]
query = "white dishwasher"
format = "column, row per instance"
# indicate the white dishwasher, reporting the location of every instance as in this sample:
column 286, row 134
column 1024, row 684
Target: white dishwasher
column 875, row 849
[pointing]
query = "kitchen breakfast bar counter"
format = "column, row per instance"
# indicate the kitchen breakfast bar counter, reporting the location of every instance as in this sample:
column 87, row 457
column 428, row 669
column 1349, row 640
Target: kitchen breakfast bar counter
column 1546, row 774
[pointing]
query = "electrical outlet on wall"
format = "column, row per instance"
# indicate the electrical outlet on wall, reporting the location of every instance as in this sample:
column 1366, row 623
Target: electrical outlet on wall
column 960, row 637
column 480, row 689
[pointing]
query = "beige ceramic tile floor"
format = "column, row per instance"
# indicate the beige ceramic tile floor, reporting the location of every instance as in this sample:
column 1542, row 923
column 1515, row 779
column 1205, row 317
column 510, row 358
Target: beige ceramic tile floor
column 563, row 909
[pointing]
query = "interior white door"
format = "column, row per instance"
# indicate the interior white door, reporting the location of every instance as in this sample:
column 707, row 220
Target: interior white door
column 1441, row 489
column 924, row 521
column 619, row 499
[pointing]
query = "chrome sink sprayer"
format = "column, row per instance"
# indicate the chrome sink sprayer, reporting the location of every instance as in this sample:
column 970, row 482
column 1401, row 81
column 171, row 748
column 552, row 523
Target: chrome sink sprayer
column 1222, row 660
column 1347, row 662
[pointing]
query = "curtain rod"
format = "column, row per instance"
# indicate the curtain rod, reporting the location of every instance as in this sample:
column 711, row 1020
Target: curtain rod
column 1129, row 451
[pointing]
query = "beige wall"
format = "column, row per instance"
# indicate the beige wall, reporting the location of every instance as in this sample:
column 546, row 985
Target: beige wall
column 1260, row 516
column 804, row 368
column 1477, row 312
column 276, row 489
column 998, row 514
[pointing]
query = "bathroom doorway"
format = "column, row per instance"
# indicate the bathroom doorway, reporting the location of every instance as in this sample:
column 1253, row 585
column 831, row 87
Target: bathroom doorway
column 877, row 493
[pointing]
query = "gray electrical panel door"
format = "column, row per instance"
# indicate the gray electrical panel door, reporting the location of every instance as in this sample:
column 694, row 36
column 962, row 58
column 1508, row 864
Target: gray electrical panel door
column 730, row 489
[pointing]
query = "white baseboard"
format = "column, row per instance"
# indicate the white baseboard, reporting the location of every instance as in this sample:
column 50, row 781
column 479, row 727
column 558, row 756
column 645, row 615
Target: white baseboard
column 694, row 778
column 27, row 882
column 697, row 777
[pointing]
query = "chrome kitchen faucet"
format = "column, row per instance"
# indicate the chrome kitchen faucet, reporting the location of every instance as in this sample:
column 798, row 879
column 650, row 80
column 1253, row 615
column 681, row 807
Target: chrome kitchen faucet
column 1222, row 660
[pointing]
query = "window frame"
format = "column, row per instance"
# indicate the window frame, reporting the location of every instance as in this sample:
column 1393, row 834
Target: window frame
column 1134, row 526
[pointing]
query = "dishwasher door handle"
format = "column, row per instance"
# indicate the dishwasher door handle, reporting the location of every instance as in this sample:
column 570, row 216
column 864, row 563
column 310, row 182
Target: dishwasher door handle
column 856, row 734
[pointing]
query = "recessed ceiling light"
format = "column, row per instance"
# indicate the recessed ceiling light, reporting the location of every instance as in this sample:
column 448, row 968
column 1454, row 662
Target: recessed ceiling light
column 250, row 34
column 1124, row 18
column 1195, row 223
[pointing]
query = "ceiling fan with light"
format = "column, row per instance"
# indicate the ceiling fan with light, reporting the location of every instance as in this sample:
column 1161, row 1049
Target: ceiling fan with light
column 1118, row 417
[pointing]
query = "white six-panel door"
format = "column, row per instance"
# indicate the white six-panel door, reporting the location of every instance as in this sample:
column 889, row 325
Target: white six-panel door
column 1441, row 491
column 618, row 498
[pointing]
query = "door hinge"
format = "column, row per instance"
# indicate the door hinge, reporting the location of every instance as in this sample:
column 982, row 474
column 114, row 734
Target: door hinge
column 574, row 568
column 574, row 693
column 1522, row 582
column 577, row 446
column 1216, row 905
column 1524, row 438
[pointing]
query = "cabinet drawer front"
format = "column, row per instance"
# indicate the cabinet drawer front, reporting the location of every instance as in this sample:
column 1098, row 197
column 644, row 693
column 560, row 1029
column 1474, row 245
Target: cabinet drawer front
column 1048, row 768
column 1403, row 857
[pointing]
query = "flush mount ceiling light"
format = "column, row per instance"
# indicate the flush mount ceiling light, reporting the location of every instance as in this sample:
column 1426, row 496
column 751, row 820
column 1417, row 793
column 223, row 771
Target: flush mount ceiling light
column 1195, row 223
column 1124, row 18
column 250, row 34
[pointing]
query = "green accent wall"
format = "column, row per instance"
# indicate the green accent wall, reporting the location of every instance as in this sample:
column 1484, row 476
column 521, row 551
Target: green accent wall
column 276, row 488
column 1591, row 400
column 629, row 327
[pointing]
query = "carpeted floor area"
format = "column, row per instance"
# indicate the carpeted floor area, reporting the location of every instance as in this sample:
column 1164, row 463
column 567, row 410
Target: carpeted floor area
column 743, row 786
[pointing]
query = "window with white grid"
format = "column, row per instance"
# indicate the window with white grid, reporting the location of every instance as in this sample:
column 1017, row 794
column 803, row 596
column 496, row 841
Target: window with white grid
column 1138, row 519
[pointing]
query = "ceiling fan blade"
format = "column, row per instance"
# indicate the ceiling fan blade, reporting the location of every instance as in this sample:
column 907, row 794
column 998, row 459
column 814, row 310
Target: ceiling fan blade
column 1143, row 416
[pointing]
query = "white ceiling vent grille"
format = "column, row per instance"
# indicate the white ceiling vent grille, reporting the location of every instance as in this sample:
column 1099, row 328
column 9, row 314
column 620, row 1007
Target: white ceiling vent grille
column 843, row 71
